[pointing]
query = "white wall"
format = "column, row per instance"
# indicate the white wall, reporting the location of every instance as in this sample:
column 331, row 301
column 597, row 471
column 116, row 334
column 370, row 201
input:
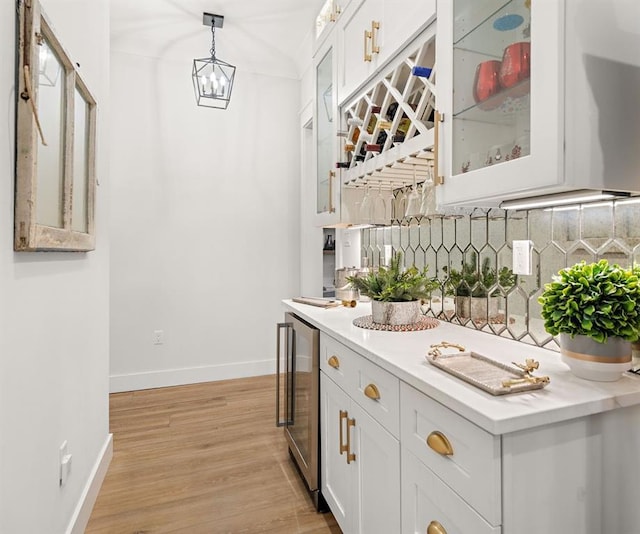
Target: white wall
column 205, row 223
column 54, row 344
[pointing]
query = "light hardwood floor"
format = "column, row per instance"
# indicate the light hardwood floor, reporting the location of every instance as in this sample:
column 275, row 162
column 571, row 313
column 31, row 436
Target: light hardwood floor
column 203, row 458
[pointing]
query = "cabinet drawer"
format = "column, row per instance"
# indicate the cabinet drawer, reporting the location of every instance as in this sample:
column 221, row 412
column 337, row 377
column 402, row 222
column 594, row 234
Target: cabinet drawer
column 378, row 392
column 338, row 362
column 472, row 469
column 373, row 388
column 426, row 500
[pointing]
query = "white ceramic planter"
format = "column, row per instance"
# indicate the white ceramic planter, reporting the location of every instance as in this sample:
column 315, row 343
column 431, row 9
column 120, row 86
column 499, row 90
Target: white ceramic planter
column 396, row 313
column 588, row 359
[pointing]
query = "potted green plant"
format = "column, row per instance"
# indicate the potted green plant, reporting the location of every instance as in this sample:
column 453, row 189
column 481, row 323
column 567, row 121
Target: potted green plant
column 395, row 293
column 593, row 309
column 471, row 286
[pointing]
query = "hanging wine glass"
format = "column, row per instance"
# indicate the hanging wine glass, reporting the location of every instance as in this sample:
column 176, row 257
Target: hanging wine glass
column 413, row 201
column 428, row 204
column 365, row 207
column 389, row 203
column 400, row 204
column 379, row 209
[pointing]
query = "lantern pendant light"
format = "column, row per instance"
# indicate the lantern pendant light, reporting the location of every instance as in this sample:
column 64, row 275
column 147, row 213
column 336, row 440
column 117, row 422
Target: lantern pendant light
column 212, row 77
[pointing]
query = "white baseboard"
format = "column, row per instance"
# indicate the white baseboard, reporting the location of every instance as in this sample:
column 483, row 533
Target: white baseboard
column 189, row 375
column 82, row 513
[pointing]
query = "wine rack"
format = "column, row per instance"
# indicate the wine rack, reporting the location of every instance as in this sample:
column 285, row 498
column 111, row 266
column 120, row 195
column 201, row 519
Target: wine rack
column 387, row 130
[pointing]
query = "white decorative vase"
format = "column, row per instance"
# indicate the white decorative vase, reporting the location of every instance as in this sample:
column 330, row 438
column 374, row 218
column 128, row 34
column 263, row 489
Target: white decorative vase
column 588, row 359
column 396, row 313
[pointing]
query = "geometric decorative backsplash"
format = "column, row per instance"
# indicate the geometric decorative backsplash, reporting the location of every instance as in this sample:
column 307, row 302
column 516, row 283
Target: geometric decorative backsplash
column 482, row 237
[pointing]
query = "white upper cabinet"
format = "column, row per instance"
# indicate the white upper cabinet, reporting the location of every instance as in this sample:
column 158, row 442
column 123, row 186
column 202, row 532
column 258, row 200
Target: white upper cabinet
column 358, row 41
column 327, row 202
column 326, row 20
column 403, row 19
column 371, row 32
column 538, row 97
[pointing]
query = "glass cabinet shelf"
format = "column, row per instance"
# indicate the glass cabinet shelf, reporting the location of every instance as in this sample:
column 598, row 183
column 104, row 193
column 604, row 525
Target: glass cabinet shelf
column 491, row 83
column 487, row 27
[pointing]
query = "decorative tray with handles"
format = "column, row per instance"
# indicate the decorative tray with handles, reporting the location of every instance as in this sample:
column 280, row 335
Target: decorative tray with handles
column 494, row 377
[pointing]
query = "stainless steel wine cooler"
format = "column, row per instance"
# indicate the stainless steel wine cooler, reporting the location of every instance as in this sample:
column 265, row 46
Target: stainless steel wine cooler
column 298, row 397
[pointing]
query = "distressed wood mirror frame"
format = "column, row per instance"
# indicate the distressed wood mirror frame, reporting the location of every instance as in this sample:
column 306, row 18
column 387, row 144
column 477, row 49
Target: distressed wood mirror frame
column 55, row 142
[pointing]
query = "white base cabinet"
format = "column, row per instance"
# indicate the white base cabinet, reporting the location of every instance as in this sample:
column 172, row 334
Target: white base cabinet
column 360, row 465
column 360, row 456
column 427, row 502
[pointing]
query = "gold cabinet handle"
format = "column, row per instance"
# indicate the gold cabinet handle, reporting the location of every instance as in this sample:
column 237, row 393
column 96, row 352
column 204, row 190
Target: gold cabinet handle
column 334, row 362
column 372, row 392
column 375, row 26
column 438, row 179
column 332, row 208
column 439, row 443
column 367, row 36
column 435, row 528
column 351, row 456
column 334, row 14
column 343, row 447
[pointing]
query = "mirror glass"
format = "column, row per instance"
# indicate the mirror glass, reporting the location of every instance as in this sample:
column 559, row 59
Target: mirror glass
column 50, row 157
column 324, row 92
column 80, row 164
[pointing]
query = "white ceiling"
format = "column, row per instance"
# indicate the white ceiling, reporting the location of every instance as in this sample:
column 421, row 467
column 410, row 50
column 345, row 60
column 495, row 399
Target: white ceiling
column 258, row 35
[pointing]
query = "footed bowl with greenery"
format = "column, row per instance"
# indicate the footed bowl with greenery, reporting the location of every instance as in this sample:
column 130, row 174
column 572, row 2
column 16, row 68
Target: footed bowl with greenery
column 395, row 293
column 593, row 309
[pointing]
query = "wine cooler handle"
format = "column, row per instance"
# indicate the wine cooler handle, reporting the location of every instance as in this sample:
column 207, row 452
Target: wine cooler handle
column 280, row 326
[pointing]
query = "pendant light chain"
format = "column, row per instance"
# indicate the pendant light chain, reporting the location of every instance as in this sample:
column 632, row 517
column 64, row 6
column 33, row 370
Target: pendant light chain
column 213, row 42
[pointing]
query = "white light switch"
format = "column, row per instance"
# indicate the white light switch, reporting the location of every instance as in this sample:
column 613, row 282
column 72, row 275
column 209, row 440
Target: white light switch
column 522, row 257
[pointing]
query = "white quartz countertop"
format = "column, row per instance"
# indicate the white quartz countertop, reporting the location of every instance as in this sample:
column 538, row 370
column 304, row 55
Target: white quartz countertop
column 403, row 354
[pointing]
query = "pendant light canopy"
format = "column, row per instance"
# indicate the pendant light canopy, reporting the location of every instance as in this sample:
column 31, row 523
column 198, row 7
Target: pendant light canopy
column 212, row 77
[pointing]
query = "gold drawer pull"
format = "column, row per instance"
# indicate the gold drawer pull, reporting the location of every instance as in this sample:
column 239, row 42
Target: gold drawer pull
column 372, row 392
column 375, row 26
column 351, row 456
column 334, row 362
column 435, row 528
column 367, row 37
column 343, row 448
column 439, row 443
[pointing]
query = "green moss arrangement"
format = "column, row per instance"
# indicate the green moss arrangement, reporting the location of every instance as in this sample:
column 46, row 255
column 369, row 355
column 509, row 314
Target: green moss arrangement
column 598, row 300
column 394, row 285
column 461, row 283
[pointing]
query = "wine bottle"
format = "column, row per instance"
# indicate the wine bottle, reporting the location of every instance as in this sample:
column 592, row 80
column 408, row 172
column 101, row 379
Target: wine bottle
column 423, row 72
column 375, row 109
column 349, row 147
column 342, row 164
column 384, row 125
column 355, row 121
column 373, row 148
column 398, row 138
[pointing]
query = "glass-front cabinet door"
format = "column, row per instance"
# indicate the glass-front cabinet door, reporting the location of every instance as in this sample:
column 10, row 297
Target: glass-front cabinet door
column 327, row 180
column 499, row 87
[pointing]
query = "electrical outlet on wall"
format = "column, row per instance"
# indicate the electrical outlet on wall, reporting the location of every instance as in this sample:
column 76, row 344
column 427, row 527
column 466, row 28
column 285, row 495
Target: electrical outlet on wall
column 522, row 257
column 158, row 337
column 65, row 463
